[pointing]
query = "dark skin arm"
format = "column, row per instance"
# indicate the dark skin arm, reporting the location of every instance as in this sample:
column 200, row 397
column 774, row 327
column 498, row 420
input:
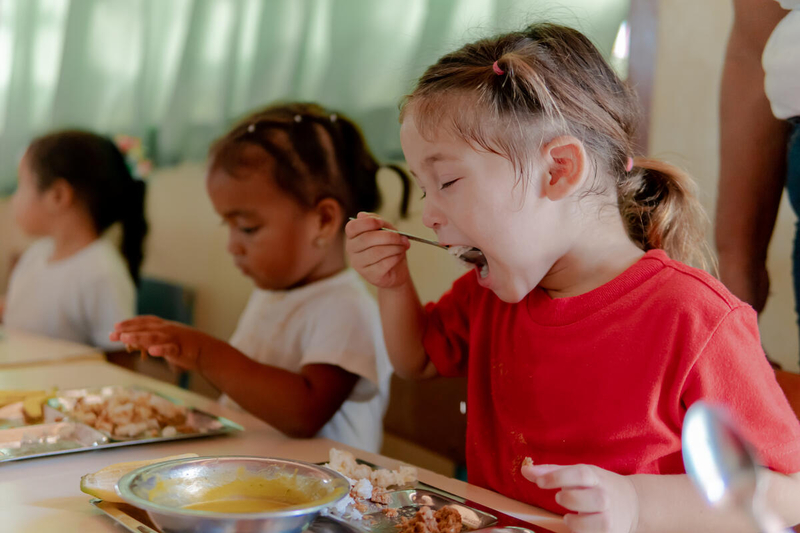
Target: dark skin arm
column 298, row 405
column 753, row 156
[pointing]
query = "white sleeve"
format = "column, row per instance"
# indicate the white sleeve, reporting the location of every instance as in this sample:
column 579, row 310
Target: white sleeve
column 346, row 332
column 108, row 300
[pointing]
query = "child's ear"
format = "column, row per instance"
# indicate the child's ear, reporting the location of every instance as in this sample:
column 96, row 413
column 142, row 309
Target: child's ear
column 330, row 219
column 60, row 195
column 566, row 161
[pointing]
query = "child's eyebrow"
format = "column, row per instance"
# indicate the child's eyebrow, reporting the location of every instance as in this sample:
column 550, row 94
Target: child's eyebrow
column 238, row 213
column 431, row 159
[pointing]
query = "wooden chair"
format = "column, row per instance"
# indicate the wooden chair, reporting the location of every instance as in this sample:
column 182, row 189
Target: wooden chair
column 790, row 384
column 429, row 414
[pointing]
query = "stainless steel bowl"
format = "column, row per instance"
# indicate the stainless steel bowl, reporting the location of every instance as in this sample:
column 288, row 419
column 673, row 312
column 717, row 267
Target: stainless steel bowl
column 188, row 481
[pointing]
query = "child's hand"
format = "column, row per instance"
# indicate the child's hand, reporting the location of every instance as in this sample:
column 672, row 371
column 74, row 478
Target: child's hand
column 601, row 501
column 181, row 345
column 379, row 256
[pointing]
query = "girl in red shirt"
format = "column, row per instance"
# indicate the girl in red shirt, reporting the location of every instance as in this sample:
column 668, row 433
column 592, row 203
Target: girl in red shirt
column 583, row 334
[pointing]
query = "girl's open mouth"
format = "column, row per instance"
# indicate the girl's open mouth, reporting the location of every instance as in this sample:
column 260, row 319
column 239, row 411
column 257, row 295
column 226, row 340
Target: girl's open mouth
column 471, row 257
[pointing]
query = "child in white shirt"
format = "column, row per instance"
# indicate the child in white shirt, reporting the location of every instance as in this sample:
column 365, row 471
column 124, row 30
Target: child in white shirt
column 308, row 355
column 72, row 284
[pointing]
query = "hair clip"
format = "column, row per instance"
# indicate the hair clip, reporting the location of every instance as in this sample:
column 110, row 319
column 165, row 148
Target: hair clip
column 298, row 118
column 629, row 164
column 497, row 70
column 251, row 128
column 333, row 117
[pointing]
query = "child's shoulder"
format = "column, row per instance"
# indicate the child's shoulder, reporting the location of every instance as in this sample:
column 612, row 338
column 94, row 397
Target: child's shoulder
column 102, row 260
column 343, row 295
column 38, row 250
column 697, row 283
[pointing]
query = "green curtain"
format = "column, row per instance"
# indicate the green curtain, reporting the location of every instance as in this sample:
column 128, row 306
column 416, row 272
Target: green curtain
column 177, row 72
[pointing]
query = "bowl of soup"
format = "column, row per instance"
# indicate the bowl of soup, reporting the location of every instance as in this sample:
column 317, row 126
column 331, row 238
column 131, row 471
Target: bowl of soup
column 232, row 494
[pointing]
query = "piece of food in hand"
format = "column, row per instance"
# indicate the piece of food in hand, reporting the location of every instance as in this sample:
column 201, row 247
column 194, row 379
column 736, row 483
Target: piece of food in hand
column 527, row 462
column 129, row 348
column 103, row 483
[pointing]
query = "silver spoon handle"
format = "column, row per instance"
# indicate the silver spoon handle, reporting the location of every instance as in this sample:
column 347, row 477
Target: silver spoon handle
column 413, row 237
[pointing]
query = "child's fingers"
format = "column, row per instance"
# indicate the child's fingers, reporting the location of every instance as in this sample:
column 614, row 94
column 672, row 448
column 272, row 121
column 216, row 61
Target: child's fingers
column 592, row 500
column 386, row 264
column 371, row 239
column 588, row 523
column 374, row 256
column 531, row 472
column 164, row 350
column 364, row 224
column 137, row 323
column 567, row 476
column 145, row 339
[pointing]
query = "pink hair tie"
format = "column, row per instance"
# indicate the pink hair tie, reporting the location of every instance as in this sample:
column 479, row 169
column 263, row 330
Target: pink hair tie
column 497, row 70
column 629, row 165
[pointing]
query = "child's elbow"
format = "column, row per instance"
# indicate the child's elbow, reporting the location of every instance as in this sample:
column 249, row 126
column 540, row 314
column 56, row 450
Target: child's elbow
column 302, row 431
column 426, row 370
column 306, row 426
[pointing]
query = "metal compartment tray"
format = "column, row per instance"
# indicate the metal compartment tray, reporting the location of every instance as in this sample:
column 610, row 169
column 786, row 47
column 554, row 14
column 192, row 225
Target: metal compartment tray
column 475, row 517
column 19, row 441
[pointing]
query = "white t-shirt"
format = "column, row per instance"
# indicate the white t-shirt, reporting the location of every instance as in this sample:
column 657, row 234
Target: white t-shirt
column 781, row 61
column 332, row 321
column 78, row 298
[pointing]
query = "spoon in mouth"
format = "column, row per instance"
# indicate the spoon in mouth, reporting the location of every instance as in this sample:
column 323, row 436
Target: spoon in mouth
column 467, row 254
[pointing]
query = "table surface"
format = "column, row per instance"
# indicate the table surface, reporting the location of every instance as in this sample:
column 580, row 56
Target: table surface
column 21, row 349
column 43, row 494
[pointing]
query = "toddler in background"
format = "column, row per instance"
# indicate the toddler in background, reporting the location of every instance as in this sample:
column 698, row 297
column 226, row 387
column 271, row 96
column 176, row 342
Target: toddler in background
column 71, row 283
column 307, row 355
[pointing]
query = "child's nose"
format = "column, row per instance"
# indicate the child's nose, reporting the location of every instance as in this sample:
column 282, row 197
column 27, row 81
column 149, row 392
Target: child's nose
column 235, row 248
column 432, row 216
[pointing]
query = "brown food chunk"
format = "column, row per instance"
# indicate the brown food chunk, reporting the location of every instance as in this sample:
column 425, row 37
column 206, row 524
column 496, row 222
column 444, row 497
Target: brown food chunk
column 445, row 520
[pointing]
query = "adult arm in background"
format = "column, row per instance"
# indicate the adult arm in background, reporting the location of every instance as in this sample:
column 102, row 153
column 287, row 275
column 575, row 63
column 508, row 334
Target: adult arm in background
column 752, row 156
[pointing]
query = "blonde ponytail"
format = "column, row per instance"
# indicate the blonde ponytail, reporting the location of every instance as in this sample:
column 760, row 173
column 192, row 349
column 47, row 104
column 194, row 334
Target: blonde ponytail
column 659, row 205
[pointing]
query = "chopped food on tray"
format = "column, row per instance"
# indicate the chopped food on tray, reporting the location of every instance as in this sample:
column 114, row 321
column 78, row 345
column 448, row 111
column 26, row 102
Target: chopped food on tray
column 102, row 483
column 445, row 520
column 131, row 413
column 367, row 486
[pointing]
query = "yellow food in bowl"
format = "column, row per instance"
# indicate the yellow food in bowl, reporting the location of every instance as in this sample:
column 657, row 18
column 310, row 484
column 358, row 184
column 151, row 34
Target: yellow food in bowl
column 246, row 493
column 247, row 505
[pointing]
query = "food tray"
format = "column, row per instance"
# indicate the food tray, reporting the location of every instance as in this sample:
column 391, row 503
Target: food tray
column 199, row 424
column 474, row 516
column 47, row 439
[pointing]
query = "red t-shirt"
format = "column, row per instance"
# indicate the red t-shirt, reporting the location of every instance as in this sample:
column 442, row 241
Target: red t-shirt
column 605, row 378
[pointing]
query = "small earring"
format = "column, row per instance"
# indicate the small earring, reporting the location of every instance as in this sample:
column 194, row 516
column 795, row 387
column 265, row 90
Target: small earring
column 319, row 242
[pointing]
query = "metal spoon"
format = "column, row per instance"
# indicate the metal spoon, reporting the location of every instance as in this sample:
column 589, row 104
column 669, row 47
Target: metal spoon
column 722, row 465
column 473, row 256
